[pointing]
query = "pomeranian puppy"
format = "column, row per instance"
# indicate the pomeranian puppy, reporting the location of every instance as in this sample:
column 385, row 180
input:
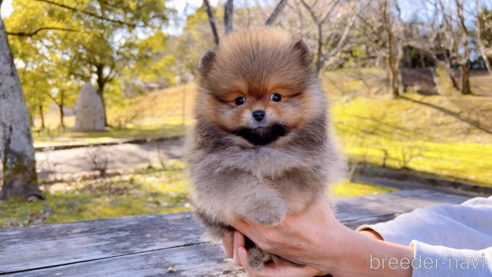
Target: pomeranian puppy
column 261, row 147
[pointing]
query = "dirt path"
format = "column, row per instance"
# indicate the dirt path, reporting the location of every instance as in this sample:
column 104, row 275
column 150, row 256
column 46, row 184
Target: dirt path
column 119, row 156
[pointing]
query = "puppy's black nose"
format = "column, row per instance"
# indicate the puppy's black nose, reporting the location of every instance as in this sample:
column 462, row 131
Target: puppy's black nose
column 259, row 115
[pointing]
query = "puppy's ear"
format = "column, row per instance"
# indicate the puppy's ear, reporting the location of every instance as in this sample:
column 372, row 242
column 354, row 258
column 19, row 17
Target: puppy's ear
column 206, row 61
column 305, row 53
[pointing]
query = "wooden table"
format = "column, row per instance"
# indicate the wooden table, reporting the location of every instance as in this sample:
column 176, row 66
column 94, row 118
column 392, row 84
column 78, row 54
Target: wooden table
column 148, row 245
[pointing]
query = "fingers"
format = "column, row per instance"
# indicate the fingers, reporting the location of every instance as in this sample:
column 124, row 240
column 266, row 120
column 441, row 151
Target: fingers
column 239, row 242
column 228, row 241
column 279, row 269
column 243, row 259
column 245, row 229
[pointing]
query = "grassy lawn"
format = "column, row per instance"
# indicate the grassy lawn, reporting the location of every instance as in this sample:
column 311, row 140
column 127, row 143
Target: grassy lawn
column 84, row 196
column 449, row 137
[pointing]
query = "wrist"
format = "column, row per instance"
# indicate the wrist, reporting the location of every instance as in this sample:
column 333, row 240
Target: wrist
column 354, row 252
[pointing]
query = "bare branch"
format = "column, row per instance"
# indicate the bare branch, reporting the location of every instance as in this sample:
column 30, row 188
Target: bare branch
column 228, row 16
column 373, row 30
column 211, row 20
column 320, row 20
column 313, row 15
column 275, row 13
column 328, row 11
column 30, row 34
column 88, row 13
column 344, row 37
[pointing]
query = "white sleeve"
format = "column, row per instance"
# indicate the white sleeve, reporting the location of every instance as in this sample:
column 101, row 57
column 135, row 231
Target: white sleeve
column 439, row 261
column 465, row 226
column 455, row 240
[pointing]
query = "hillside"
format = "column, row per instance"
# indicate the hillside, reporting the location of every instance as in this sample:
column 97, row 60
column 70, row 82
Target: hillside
column 449, row 136
column 446, row 136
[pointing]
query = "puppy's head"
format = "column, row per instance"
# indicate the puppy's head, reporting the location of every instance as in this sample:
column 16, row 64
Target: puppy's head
column 258, row 85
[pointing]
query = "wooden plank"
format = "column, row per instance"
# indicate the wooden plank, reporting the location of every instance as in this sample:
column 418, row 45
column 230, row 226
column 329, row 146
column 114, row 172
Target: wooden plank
column 49, row 245
column 28, row 248
column 195, row 260
column 192, row 260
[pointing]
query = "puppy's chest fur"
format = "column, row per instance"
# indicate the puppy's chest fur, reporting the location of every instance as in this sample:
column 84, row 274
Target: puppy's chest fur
column 263, row 184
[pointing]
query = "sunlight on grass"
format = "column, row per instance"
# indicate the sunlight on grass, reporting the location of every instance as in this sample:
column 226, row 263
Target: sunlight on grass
column 124, row 193
column 78, row 197
column 345, row 188
column 168, row 106
column 444, row 137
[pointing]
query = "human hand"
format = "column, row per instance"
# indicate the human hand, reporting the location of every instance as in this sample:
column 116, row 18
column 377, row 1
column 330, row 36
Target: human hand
column 316, row 239
column 234, row 243
column 308, row 239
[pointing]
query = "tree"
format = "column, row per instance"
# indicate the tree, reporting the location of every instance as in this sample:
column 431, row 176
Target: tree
column 34, row 83
column 484, row 34
column 63, row 91
column 463, row 59
column 434, row 39
column 384, row 30
column 16, row 146
column 228, row 16
column 93, row 39
column 156, row 62
column 330, row 42
column 448, row 40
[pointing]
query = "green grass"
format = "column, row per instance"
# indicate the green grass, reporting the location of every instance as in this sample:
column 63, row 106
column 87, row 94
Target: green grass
column 345, row 188
column 84, row 196
column 448, row 137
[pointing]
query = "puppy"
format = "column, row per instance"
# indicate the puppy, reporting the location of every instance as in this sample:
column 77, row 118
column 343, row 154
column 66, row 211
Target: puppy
column 260, row 148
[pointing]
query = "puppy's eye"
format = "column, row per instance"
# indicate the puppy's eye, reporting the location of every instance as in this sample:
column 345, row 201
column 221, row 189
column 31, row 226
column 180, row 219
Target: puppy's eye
column 240, row 100
column 275, row 97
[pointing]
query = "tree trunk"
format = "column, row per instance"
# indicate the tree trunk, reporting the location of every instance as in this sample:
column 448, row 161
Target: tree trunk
column 481, row 44
column 211, row 20
column 391, row 55
column 101, row 83
column 422, row 61
column 452, row 76
column 408, row 57
column 393, row 69
column 394, row 82
column 447, row 60
column 319, row 60
column 62, row 115
column 465, row 80
column 16, row 146
column 228, row 16
column 41, row 114
column 275, row 13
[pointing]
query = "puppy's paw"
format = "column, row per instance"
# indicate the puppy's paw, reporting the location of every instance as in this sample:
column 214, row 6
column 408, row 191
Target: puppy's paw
column 268, row 217
column 257, row 258
column 269, row 214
